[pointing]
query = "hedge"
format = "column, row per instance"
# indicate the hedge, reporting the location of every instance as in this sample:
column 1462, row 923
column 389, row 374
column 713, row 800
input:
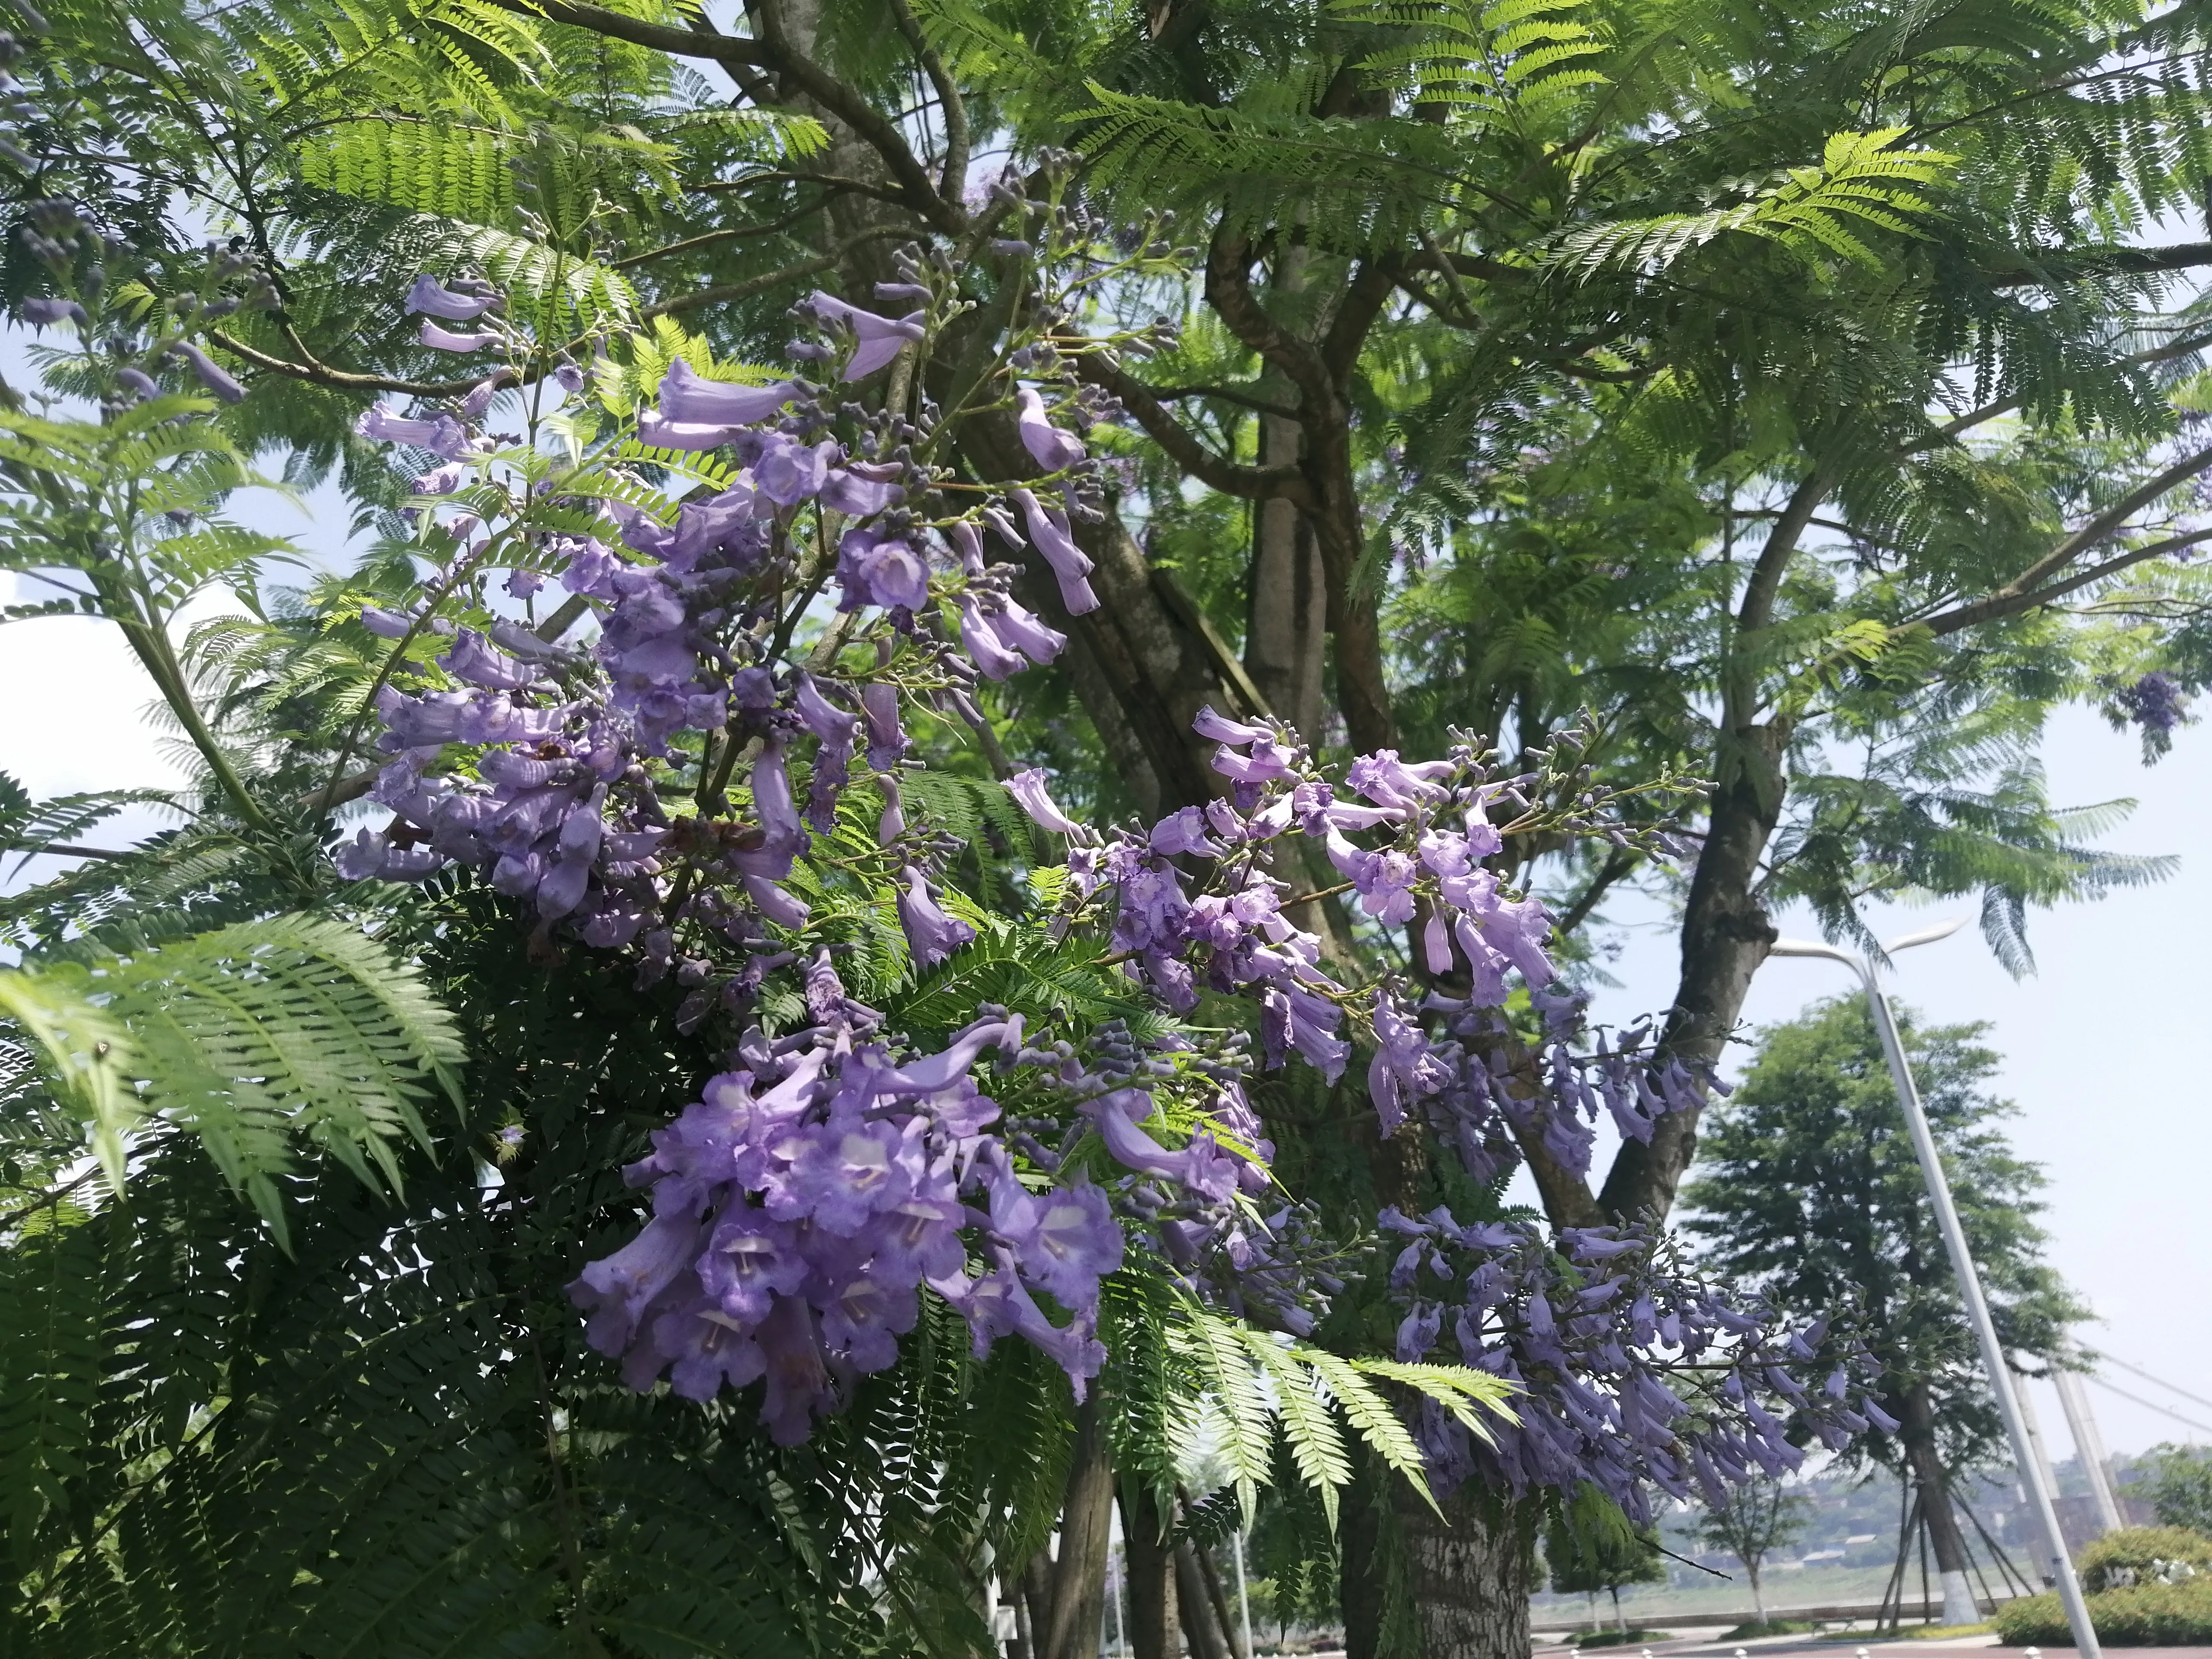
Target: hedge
column 2145, row 1616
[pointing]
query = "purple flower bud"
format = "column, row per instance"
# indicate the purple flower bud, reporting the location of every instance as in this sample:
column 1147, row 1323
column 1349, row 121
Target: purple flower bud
column 1050, row 533
column 1049, row 447
column 137, row 381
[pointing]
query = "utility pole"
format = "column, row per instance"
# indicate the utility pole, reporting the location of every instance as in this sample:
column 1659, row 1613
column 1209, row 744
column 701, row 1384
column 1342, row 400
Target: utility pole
column 2088, row 1445
column 2060, row 1570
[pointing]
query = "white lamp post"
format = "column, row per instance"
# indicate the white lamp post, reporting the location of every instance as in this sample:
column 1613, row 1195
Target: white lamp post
column 2060, row 1566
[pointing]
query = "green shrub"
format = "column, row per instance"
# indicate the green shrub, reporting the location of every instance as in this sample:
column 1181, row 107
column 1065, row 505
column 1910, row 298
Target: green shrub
column 2144, row 1616
column 1613, row 1639
column 2144, row 1555
column 1756, row 1627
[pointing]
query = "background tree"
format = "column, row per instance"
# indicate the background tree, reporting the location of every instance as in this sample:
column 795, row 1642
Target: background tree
column 1589, row 1546
column 1810, row 1191
column 2180, row 1485
column 1761, row 1516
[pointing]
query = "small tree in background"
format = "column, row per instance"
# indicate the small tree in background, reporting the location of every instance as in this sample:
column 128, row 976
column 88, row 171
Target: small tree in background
column 2180, row 1485
column 1809, row 1192
column 1591, row 1546
column 1759, row 1518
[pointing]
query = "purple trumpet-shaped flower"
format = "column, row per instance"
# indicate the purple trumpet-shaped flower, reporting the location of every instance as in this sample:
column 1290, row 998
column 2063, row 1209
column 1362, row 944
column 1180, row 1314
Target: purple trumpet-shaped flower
column 688, row 396
column 991, row 656
column 615, row 1290
column 446, row 339
column 434, row 299
column 1049, row 447
column 863, row 489
column 1291, row 1018
column 1029, row 793
column 1403, row 1069
column 212, row 375
column 1022, row 630
column 441, row 435
column 874, row 568
column 931, row 934
column 789, row 473
column 1049, row 531
column 880, row 337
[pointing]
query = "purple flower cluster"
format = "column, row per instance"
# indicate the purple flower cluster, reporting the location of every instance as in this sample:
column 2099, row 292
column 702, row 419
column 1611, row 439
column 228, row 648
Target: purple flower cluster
column 1605, row 1337
column 2154, row 702
column 1430, row 821
column 802, row 1204
column 563, row 809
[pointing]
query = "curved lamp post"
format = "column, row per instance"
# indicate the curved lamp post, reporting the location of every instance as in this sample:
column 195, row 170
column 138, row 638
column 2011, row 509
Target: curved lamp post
column 2060, row 1565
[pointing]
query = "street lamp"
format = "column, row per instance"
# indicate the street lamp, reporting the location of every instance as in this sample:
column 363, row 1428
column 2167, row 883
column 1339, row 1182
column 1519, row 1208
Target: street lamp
column 1962, row 1263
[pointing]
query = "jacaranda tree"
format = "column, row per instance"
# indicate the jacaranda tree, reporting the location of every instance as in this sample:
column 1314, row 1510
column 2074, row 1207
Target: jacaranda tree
column 628, row 1113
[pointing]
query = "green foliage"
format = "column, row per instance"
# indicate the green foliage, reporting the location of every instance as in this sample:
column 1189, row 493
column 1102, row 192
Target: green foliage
column 2139, row 1555
column 1807, row 1191
column 1589, row 1545
column 251, row 1039
column 2180, row 1486
column 1861, row 177
column 2149, row 1615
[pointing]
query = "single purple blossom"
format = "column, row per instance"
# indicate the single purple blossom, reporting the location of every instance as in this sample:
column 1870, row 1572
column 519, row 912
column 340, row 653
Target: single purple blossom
column 433, row 298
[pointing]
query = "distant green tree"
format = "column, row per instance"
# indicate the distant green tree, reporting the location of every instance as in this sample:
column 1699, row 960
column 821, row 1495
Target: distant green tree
column 2180, row 1486
column 1759, row 1518
column 1591, row 1546
column 1811, row 1194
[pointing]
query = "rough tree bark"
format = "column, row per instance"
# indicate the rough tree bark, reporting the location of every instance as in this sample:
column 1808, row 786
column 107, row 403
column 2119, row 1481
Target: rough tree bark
column 1070, row 1627
column 1149, row 1563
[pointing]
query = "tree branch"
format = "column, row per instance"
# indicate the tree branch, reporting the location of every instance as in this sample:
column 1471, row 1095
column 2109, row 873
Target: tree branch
column 1253, row 484
column 1371, row 287
column 320, row 373
column 953, row 180
column 773, row 279
column 918, row 191
column 2123, row 261
column 677, row 42
column 1951, row 622
column 2022, row 591
column 1229, row 291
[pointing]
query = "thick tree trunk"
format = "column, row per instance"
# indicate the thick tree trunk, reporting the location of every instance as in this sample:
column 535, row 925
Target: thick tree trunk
column 1071, row 1627
column 1202, row 1624
column 1916, row 1416
column 1149, row 1563
column 1470, row 1572
column 1286, row 590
